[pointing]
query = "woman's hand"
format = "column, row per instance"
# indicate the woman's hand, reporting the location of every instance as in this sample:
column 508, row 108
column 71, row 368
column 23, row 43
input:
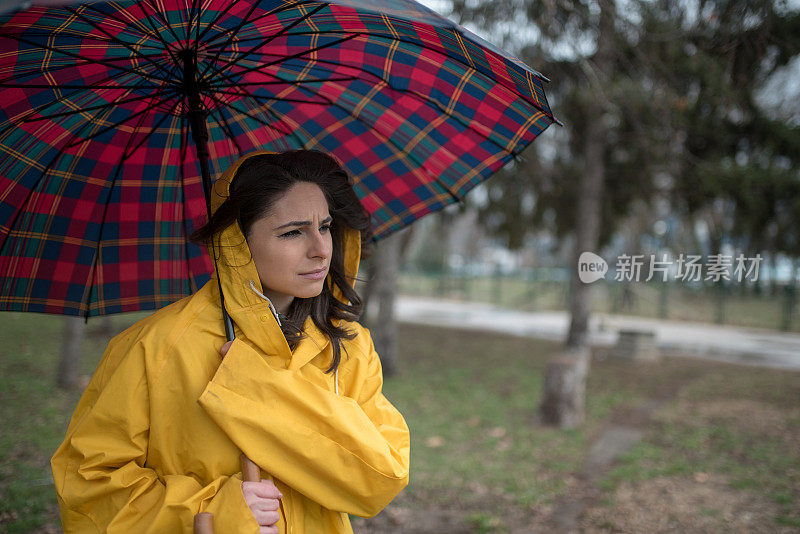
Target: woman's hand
column 262, row 497
column 263, row 500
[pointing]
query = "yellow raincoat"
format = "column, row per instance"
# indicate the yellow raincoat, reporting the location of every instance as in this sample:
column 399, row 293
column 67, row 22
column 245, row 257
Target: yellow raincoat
column 157, row 434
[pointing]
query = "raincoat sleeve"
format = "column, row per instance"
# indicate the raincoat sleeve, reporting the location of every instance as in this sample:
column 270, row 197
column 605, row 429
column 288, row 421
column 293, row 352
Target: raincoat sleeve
column 99, row 470
column 349, row 453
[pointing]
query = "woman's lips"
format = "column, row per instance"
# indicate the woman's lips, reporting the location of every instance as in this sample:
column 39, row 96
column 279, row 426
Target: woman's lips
column 315, row 275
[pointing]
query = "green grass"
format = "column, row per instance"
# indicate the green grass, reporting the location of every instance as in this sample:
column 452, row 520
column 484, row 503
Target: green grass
column 34, row 416
column 735, row 422
column 470, row 399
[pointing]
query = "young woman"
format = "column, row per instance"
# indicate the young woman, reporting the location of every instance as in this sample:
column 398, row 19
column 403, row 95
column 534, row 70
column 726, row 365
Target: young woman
column 157, row 435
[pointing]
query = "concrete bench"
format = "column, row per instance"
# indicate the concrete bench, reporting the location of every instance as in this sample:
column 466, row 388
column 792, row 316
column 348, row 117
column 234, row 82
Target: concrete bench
column 639, row 345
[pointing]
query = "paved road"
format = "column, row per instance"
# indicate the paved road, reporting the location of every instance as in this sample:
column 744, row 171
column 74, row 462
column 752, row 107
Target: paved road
column 750, row 346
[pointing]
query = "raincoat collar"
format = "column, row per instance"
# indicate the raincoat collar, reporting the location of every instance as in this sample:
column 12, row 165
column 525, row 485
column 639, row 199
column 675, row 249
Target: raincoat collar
column 250, row 313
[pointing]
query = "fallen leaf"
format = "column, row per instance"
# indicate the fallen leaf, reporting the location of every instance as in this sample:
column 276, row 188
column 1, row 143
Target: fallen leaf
column 434, row 441
column 497, row 432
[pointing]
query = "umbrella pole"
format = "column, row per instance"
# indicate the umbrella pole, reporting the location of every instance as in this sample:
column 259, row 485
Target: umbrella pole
column 204, row 522
column 197, row 123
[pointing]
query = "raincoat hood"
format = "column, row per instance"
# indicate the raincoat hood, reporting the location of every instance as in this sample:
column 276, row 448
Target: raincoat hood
column 238, row 276
column 234, row 254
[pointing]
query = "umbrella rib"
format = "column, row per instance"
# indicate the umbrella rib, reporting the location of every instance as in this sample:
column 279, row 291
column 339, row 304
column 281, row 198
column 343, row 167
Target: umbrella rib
column 92, row 108
column 275, row 11
column 411, row 42
column 148, row 134
column 41, row 177
column 125, row 25
column 88, row 37
column 90, row 86
column 196, row 12
column 380, row 135
column 157, row 34
column 273, row 98
column 184, row 150
column 425, row 99
column 88, row 60
column 284, row 30
column 293, row 56
column 241, row 24
column 118, row 170
column 115, row 39
column 34, row 111
column 292, row 131
column 35, row 69
column 282, row 81
column 115, row 125
column 228, row 130
column 305, row 32
column 44, row 173
column 32, row 190
column 211, row 24
column 255, row 118
column 157, row 12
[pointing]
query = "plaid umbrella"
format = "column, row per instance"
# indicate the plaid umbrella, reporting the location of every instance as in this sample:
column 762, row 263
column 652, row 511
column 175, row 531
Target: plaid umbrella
column 114, row 116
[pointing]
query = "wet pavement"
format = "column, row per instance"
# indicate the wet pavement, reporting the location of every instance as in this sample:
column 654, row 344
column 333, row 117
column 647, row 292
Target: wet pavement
column 750, row 346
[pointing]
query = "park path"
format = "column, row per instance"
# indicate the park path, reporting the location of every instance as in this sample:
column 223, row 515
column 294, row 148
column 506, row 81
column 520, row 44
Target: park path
column 766, row 348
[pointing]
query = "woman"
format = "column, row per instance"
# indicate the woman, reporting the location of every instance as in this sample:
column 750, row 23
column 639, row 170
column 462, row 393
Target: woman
column 157, row 435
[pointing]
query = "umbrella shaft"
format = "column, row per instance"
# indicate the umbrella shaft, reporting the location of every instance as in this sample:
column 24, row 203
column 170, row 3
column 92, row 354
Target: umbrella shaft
column 197, row 119
column 197, row 122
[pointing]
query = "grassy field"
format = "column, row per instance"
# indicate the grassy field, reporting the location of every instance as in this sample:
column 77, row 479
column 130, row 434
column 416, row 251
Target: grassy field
column 719, row 451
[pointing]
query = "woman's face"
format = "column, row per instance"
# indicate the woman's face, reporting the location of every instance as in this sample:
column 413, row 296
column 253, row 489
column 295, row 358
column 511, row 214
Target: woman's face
column 292, row 246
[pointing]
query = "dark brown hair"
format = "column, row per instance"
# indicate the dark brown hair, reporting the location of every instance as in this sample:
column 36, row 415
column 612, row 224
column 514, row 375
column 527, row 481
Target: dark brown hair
column 261, row 181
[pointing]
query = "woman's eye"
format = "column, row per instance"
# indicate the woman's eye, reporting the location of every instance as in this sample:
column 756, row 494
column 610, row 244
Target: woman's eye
column 290, row 233
column 325, row 228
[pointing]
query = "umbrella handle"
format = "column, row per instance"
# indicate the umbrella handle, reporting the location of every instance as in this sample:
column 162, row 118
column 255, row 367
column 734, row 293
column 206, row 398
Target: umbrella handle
column 204, row 521
column 250, row 470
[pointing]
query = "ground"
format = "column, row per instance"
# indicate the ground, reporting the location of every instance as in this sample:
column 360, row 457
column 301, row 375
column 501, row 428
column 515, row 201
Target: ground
column 715, row 448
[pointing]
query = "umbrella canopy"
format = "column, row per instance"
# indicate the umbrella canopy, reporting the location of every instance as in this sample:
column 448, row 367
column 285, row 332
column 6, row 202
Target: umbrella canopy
column 113, row 112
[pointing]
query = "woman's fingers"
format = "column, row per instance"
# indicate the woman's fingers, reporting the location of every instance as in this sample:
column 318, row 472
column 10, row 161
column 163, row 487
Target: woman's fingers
column 266, row 519
column 224, row 350
column 263, row 499
column 268, row 505
column 268, row 530
column 264, row 489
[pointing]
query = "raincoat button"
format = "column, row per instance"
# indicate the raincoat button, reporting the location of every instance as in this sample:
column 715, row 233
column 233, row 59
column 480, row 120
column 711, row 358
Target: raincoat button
column 264, row 317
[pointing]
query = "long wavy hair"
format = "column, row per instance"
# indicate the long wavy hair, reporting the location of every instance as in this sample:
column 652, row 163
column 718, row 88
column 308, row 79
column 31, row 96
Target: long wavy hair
column 258, row 184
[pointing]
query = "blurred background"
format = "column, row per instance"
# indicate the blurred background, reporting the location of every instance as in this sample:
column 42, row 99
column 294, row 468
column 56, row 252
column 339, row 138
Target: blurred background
column 640, row 402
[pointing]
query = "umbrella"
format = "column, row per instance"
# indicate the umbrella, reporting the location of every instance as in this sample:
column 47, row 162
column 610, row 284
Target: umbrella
column 115, row 116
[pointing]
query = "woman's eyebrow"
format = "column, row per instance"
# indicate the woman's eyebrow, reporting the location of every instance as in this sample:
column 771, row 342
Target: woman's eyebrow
column 303, row 223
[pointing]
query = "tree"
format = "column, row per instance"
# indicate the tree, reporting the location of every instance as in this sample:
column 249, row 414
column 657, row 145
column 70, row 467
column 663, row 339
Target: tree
column 655, row 88
column 71, row 344
column 381, row 290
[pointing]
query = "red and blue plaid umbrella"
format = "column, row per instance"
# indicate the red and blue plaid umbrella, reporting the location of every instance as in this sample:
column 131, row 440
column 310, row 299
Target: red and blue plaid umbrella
column 113, row 112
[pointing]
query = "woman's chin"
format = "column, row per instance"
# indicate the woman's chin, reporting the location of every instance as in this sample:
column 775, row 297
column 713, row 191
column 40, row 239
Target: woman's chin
column 311, row 291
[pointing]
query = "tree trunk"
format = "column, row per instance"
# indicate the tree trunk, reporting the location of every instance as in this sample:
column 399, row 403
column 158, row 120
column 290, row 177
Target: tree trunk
column 564, row 389
column 69, row 365
column 565, row 380
column 382, row 289
column 590, row 197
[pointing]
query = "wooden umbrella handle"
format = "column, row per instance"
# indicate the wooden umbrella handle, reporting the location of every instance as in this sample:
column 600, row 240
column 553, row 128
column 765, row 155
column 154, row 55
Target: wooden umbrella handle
column 204, row 521
column 250, row 471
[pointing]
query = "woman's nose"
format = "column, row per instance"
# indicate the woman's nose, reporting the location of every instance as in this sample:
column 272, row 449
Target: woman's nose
column 321, row 245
